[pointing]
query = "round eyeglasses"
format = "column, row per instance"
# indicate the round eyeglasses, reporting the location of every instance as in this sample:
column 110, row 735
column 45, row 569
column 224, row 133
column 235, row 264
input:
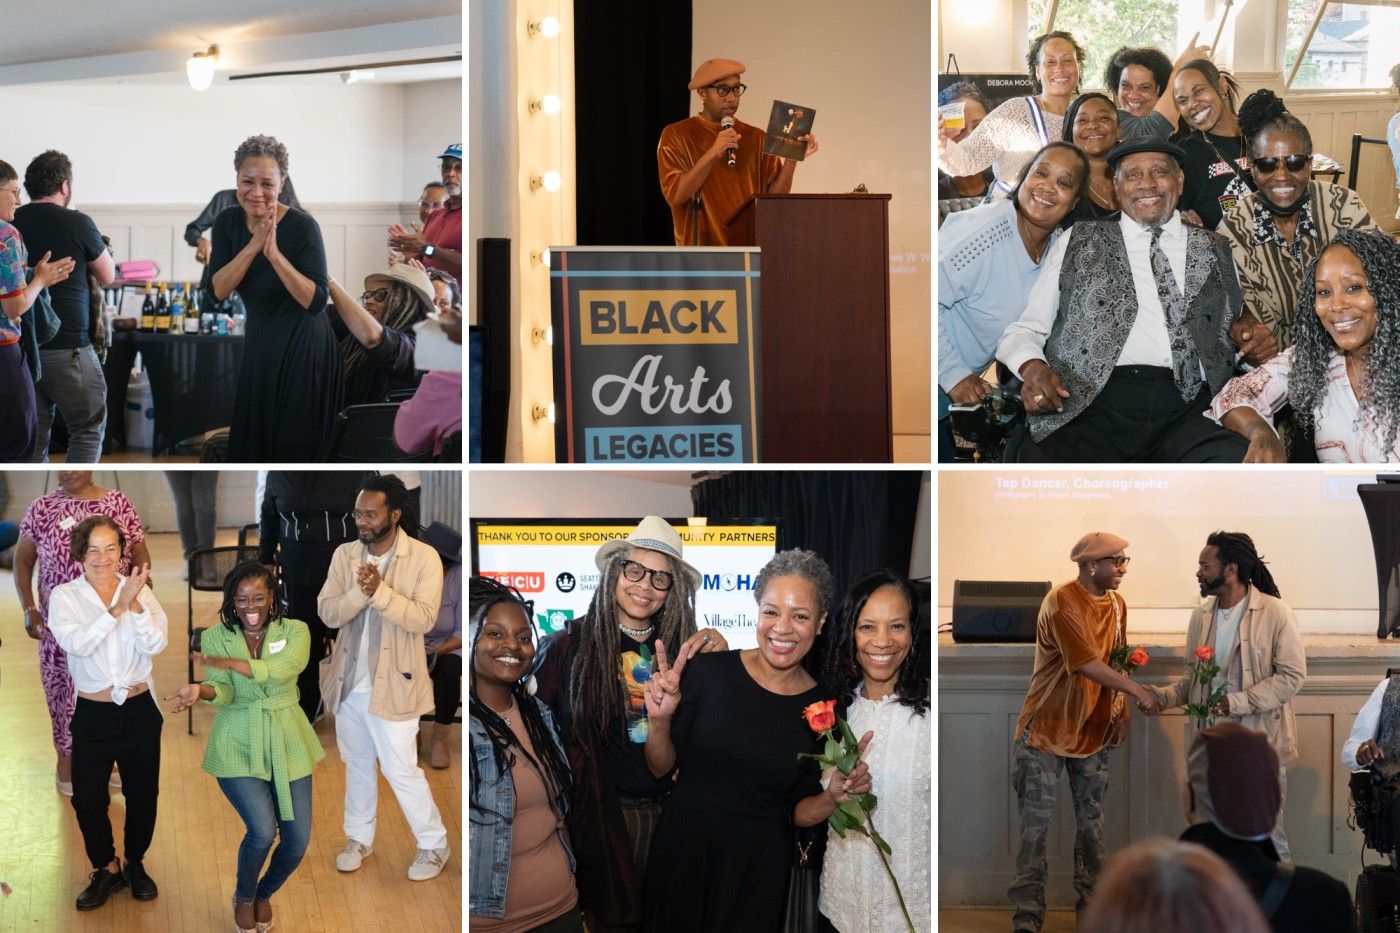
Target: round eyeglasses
column 660, row 579
column 724, row 90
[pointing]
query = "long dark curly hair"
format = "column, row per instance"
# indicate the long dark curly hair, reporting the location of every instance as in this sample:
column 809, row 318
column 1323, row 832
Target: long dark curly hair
column 1313, row 348
column 484, row 594
column 597, row 696
column 842, row 671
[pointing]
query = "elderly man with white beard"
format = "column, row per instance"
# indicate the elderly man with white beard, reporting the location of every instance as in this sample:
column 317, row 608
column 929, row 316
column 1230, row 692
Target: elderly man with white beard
column 1132, row 327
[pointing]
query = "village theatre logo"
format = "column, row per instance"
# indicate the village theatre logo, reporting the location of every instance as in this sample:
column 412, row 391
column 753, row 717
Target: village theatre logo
column 659, row 356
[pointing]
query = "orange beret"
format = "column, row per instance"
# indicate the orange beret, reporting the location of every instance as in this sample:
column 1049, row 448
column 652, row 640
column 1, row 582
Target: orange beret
column 712, row 70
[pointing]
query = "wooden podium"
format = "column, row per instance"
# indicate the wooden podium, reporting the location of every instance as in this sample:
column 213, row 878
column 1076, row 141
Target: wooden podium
column 824, row 326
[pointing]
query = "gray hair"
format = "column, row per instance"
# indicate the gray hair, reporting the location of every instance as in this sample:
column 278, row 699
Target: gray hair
column 261, row 146
column 797, row 563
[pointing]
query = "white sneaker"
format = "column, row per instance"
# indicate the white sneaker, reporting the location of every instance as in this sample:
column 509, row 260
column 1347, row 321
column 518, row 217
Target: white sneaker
column 428, row 864
column 353, row 854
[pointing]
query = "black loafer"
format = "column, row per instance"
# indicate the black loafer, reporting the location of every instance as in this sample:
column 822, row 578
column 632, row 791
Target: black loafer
column 142, row 887
column 100, row 887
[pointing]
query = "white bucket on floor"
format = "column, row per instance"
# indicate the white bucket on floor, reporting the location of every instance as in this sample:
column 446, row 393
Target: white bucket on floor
column 140, row 415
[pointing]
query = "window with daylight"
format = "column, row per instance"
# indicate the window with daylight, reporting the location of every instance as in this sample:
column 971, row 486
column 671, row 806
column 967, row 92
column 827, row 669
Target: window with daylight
column 1341, row 46
column 1104, row 26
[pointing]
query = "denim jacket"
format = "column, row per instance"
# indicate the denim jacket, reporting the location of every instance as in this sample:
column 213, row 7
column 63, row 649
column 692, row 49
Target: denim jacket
column 489, row 836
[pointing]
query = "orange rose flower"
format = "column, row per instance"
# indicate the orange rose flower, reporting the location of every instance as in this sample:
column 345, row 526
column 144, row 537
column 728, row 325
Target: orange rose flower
column 1139, row 657
column 821, row 715
column 1205, row 652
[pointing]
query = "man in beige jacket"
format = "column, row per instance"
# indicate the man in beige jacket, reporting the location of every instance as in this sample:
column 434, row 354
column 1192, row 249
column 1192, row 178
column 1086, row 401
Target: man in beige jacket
column 1255, row 639
column 382, row 594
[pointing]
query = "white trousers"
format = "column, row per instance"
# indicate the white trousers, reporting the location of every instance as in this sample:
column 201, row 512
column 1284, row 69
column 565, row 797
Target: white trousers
column 364, row 740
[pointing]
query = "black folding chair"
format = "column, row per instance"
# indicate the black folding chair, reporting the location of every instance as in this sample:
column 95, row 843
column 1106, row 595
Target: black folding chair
column 208, row 567
column 365, row 434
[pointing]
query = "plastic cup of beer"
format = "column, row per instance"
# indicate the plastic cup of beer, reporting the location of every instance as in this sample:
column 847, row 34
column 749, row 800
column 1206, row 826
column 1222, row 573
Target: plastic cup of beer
column 953, row 115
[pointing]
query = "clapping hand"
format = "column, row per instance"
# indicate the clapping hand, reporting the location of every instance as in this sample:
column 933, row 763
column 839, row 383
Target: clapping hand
column 131, row 587
column 188, row 696
column 51, row 273
column 841, row 786
column 367, row 576
column 410, row 242
column 663, row 690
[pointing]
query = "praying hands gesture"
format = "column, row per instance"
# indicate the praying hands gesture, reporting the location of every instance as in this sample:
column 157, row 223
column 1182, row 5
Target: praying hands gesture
column 663, row 690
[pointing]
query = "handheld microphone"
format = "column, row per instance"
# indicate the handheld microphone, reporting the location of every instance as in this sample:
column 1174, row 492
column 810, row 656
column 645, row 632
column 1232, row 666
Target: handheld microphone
column 728, row 124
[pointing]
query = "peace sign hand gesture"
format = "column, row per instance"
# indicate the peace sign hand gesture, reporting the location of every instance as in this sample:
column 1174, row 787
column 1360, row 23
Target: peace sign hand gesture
column 663, row 691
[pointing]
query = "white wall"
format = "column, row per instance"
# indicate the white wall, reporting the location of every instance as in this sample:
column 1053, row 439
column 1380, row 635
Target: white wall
column 1308, row 525
column 865, row 70
column 172, row 145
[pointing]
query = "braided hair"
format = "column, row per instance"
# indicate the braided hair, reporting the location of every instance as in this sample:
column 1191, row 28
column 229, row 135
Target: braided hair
column 1263, row 112
column 402, row 309
column 596, row 691
column 248, row 570
column 843, row 672
column 1313, row 347
column 1236, row 547
column 484, row 594
column 1214, row 77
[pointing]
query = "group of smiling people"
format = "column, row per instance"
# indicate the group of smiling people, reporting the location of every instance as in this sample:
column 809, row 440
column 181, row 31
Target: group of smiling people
column 635, row 772
column 1305, row 253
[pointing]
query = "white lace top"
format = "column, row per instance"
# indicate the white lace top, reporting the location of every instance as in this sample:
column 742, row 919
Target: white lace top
column 1005, row 140
column 856, row 894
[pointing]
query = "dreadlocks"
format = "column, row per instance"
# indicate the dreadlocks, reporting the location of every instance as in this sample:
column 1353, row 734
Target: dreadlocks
column 402, row 309
column 1236, row 547
column 484, row 594
column 843, row 672
column 595, row 683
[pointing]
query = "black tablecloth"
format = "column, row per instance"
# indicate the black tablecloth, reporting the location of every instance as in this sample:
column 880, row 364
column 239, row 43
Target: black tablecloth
column 193, row 381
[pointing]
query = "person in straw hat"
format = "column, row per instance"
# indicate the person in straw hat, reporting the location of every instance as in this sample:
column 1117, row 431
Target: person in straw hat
column 592, row 677
column 700, row 180
column 376, row 332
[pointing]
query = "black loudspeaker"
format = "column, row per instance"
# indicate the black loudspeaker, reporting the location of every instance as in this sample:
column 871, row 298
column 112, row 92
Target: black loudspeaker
column 996, row 610
column 493, row 313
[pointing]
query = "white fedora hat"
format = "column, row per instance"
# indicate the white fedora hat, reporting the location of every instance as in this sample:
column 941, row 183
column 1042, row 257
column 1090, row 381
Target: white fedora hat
column 654, row 534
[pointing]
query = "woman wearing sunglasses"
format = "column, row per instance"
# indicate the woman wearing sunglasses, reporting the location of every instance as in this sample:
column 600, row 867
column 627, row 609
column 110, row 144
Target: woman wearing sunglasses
column 376, row 332
column 1278, row 229
column 593, row 677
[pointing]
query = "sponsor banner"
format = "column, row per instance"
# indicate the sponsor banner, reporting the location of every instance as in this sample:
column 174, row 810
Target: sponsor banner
column 552, row 564
column 656, row 355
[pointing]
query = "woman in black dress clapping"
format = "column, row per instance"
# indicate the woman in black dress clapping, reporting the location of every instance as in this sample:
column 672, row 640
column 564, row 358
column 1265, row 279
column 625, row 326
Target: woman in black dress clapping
column 289, row 387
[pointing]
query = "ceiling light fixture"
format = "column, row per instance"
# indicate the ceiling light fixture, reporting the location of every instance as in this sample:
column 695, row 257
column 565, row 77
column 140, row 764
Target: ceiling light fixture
column 200, row 68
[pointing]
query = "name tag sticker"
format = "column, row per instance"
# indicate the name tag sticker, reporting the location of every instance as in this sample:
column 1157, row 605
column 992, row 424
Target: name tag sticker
column 68, row 523
column 277, row 646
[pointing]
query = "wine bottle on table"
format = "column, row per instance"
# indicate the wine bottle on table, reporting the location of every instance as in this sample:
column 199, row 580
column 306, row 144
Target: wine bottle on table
column 162, row 312
column 148, row 311
column 177, row 312
column 191, row 310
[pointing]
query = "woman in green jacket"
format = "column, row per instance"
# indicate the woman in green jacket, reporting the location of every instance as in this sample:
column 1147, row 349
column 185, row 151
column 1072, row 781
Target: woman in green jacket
column 261, row 748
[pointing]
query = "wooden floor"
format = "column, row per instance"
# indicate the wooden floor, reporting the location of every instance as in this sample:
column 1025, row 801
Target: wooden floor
column 999, row 921
column 193, row 855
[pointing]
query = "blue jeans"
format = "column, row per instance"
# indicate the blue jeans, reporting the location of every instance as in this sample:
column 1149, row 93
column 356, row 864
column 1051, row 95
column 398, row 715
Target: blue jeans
column 256, row 802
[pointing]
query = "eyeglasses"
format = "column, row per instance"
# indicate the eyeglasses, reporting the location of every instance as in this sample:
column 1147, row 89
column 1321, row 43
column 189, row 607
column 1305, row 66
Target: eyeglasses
column 243, row 602
column 12, row 191
column 660, row 579
column 434, row 202
column 724, row 90
column 1294, row 163
column 379, row 294
column 1119, row 562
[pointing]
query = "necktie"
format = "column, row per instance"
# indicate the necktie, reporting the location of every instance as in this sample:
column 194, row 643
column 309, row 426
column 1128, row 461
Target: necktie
column 1186, row 364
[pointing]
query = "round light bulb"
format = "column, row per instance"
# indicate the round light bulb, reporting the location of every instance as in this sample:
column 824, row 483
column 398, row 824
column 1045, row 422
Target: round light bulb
column 549, row 27
column 551, row 104
column 552, row 181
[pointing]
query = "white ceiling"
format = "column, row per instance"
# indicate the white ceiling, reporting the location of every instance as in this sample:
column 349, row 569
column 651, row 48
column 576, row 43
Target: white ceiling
column 148, row 41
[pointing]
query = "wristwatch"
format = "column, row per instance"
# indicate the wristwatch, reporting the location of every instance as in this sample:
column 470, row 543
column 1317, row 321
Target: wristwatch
column 428, row 251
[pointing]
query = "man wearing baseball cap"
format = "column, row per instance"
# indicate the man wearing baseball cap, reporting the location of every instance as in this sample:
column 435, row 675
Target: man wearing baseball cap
column 1131, row 329
column 1233, row 799
column 708, row 172
column 1073, row 716
column 592, row 676
column 438, row 243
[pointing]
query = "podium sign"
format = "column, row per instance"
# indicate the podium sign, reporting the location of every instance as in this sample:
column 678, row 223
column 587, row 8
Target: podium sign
column 656, row 354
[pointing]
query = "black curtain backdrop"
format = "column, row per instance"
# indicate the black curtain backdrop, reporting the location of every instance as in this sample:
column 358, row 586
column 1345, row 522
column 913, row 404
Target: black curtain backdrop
column 631, row 66
column 856, row 521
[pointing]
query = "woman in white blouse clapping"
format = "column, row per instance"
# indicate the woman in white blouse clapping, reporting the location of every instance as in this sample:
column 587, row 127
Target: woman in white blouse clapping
column 111, row 626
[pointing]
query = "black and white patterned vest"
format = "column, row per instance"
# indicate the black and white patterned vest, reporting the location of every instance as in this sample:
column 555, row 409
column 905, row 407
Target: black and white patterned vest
column 1388, row 733
column 1098, row 305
